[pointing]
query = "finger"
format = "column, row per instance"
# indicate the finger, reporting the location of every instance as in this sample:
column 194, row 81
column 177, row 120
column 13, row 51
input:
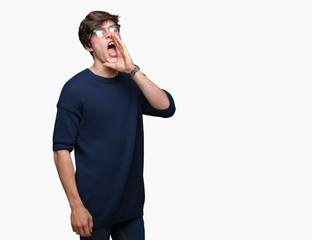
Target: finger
column 109, row 65
column 74, row 228
column 120, row 42
column 81, row 231
column 117, row 42
column 117, row 36
column 90, row 225
column 120, row 45
column 87, row 230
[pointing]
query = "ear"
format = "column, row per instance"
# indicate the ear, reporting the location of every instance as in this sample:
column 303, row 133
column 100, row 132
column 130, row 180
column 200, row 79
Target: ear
column 90, row 49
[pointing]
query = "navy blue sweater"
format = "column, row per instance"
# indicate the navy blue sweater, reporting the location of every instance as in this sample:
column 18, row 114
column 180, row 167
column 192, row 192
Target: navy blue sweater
column 101, row 119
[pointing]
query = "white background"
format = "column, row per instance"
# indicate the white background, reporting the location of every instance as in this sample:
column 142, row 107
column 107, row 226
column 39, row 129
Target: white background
column 234, row 162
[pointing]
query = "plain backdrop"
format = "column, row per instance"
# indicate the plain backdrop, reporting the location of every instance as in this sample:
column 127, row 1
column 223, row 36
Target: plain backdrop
column 234, row 162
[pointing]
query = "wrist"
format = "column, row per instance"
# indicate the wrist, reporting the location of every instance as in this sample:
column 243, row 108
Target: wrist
column 76, row 204
column 134, row 70
column 128, row 70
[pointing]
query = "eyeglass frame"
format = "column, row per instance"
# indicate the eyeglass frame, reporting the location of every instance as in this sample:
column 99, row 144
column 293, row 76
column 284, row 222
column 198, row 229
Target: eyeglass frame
column 106, row 29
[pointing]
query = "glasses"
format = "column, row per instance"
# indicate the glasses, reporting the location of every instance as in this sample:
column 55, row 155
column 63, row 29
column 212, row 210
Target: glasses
column 101, row 31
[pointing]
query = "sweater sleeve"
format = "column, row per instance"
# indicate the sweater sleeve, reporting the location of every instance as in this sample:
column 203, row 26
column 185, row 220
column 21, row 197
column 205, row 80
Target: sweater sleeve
column 148, row 109
column 67, row 120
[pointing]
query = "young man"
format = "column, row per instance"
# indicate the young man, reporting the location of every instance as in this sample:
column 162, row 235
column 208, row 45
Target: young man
column 99, row 114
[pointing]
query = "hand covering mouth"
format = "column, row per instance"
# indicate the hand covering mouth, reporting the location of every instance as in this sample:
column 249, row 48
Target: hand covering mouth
column 111, row 49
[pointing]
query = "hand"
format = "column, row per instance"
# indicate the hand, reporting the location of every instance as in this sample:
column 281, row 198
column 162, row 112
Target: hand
column 123, row 61
column 81, row 221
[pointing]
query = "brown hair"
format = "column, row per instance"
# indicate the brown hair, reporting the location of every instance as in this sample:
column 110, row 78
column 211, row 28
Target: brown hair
column 91, row 22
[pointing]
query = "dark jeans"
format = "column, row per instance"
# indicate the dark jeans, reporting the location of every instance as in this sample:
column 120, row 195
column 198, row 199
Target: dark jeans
column 128, row 230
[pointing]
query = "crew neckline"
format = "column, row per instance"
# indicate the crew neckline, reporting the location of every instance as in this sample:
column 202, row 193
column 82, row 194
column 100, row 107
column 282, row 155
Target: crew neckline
column 100, row 78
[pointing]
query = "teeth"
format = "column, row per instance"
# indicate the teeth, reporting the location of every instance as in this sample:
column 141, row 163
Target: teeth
column 111, row 43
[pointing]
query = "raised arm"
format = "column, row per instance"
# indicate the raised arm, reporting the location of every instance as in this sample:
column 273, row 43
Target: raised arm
column 157, row 98
column 154, row 95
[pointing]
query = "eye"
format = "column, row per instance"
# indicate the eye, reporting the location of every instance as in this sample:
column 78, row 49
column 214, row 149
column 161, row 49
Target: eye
column 113, row 29
column 99, row 33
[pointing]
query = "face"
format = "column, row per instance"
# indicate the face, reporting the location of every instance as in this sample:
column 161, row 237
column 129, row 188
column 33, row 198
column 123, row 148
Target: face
column 102, row 46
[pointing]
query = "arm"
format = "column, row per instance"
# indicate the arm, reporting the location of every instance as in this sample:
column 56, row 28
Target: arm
column 155, row 96
column 81, row 219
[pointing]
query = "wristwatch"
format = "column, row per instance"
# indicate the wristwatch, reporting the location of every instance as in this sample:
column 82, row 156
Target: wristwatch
column 134, row 70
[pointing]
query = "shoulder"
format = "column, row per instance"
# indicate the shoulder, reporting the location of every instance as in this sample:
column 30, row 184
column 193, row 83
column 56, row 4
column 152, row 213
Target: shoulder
column 76, row 83
column 72, row 89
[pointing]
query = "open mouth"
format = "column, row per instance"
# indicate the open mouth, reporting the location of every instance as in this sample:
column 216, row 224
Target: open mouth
column 111, row 49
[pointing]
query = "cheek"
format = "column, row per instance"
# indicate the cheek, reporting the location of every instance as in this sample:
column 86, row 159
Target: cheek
column 100, row 52
column 98, row 46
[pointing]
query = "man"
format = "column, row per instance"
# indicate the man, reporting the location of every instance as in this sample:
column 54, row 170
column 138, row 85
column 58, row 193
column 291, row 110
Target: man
column 99, row 114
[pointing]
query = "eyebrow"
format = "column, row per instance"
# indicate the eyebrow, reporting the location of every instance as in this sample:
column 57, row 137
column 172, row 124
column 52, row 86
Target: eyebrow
column 108, row 26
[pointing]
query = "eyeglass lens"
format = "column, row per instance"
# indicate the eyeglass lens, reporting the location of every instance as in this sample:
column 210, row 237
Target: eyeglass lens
column 102, row 31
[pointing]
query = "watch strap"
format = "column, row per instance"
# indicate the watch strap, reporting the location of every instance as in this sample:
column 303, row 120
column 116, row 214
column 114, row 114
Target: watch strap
column 134, row 70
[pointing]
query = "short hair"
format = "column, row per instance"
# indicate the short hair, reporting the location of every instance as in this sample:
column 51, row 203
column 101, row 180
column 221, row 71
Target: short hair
column 91, row 22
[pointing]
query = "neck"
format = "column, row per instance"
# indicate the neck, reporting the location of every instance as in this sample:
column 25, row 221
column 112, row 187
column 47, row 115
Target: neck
column 102, row 71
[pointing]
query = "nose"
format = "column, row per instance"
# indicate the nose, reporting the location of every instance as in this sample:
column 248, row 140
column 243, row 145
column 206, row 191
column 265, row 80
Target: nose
column 108, row 34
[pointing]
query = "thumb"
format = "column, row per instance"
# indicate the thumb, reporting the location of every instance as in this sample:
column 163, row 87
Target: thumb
column 108, row 64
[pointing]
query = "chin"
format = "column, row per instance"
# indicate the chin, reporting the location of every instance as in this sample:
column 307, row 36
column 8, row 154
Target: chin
column 112, row 59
